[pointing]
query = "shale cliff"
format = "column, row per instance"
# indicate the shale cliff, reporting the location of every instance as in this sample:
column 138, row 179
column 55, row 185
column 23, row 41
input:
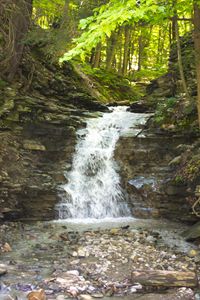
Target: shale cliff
column 39, row 115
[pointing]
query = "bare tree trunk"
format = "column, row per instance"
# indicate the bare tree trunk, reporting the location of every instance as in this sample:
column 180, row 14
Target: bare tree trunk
column 180, row 61
column 119, row 66
column 127, row 35
column 110, row 52
column 97, row 56
column 197, row 52
column 140, row 48
column 18, row 14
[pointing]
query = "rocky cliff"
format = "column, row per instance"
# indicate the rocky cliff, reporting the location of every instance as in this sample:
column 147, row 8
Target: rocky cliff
column 39, row 117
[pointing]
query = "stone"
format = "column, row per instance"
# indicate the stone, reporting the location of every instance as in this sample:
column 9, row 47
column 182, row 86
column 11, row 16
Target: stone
column 139, row 107
column 3, row 271
column 175, row 161
column 193, row 232
column 73, row 272
column 85, row 297
column 6, row 248
column 60, row 297
column 193, row 253
column 82, row 253
column 114, row 231
column 37, row 295
column 33, row 145
column 97, row 295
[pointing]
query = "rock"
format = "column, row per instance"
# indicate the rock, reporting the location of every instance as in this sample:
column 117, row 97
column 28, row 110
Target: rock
column 6, row 297
column 150, row 239
column 139, row 107
column 6, row 248
column 192, row 253
column 193, row 232
column 85, row 297
column 37, row 295
column 60, row 297
column 33, row 145
column 82, row 253
column 97, row 295
column 73, row 272
column 114, row 231
column 3, row 271
column 175, row 161
column 181, row 294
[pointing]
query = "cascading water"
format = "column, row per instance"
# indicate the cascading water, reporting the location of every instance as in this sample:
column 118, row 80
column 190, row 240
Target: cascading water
column 93, row 189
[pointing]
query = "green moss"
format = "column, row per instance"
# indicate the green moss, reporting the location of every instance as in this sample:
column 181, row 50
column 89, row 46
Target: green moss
column 112, row 86
column 3, row 84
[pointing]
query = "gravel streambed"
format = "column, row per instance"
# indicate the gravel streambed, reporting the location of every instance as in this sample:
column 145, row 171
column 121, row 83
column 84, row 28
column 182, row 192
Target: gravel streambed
column 92, row 262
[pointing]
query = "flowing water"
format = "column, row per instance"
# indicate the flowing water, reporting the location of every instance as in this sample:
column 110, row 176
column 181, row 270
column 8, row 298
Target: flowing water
column 93, row 189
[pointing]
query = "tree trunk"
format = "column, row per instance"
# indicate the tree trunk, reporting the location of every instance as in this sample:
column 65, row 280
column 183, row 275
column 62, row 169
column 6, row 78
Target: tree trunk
column 18, row 14
column 165, row 278
column 197, row 52
column 140, row 49
column 127, row 35
column 180, row 62
column 97, row 56
column 119, row 65
column 110, row 52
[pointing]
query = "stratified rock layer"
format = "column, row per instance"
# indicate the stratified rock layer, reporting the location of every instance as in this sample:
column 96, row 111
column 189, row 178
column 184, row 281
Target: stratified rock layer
column 38, row 134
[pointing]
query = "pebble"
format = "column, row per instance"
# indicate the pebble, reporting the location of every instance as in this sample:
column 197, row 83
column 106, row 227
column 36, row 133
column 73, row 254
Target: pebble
column 96, row 277
column 192, row 253
column 60, row 297
column 3, row 271
column 85, row 297
column 97, row 295
column 73, row 272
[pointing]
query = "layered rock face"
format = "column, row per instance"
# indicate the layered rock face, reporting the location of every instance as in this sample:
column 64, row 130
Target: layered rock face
column 37, row 132
column 146, row 166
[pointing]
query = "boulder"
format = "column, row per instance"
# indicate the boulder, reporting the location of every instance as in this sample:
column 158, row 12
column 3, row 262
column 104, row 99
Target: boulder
column 139, row 107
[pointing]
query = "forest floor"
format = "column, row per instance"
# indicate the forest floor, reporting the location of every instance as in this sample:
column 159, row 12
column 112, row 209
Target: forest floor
column 92, row 263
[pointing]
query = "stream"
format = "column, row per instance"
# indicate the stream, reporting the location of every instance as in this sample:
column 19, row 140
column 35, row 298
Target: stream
column 95, row 243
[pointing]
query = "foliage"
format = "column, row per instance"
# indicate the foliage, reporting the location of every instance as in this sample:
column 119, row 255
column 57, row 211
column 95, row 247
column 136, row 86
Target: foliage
column 149, row 74
column 112, row 86
column 189, row 168
column 111, row 16
column 176, row 114
column 164, row 110
column 46, row 12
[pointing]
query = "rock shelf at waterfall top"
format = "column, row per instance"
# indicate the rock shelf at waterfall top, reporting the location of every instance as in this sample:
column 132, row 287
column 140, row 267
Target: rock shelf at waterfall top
column 92, row 263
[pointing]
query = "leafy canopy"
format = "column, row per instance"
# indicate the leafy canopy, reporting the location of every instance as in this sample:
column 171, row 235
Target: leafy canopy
column 109, row 17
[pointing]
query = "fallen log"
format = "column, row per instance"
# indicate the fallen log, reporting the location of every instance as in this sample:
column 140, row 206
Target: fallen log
column 165, row 278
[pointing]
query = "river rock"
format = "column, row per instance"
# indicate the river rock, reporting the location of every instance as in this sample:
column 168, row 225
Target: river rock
column 85, row 297
column 3, row 271
column 193, row 232
column 193, row 253
column 61, row 297
column 33, row 145
column 139, row 107
column 181, row 294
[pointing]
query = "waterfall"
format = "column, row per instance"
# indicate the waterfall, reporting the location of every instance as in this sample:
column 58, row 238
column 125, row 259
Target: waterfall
column 93, row 189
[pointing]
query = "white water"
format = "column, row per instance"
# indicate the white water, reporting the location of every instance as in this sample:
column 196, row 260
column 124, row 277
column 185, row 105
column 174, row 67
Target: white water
column 93, row 189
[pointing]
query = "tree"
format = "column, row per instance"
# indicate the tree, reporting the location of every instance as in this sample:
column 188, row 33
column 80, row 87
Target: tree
column 197, row 51
column 180, row 62
column 15, row 16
